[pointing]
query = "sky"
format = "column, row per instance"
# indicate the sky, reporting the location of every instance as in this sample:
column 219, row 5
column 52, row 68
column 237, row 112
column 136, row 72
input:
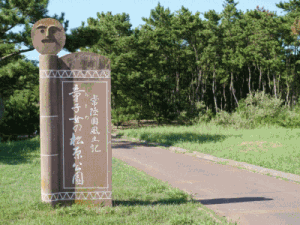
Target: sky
column 77, row 11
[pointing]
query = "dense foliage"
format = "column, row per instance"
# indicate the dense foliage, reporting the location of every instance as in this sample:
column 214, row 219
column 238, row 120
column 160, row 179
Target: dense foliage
column 176, row 65
column 174, row 62
column 19, row 77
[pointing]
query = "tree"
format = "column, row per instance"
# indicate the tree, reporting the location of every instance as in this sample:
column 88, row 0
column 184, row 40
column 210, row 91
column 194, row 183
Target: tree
column 190, row 74
column 138, row 87
column 290, row 21
column 110, row 35
column 175, row 61
column 230, row 16
column 18, row 76
column 166, row 58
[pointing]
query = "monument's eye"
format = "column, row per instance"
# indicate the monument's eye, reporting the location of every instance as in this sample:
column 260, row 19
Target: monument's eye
column 53, row 30
column 42, row 31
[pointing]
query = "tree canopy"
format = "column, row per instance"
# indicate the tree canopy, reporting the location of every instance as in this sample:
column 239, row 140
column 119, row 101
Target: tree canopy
column 175, row 61
column 19, row 77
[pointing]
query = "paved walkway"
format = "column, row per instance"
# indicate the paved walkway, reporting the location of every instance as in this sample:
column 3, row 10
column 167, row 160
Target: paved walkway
column 240, row 195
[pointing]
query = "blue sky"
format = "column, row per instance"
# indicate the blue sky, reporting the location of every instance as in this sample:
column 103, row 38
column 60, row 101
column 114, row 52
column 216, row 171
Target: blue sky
column 77, row 11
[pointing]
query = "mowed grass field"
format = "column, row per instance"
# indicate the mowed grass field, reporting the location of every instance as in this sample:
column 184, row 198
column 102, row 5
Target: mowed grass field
column 137, row 197
column 268, row 146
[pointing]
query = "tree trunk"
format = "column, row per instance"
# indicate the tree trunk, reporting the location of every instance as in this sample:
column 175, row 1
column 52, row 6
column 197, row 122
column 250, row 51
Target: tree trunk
column 224, row 96
column 175, row 92
column 249, row 80
column 287, row 93
column 203, row 90
column 191, row 95
column 269, row 80
column 274, row 84
column 233, row 90
column 260, row 75
column 242, row 86
column 213, row 89
column 293, row 88
column 198, row 84
column 221, row 103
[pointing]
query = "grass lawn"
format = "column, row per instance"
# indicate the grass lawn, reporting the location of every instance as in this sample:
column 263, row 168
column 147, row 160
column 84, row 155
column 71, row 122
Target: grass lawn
column 270, row 147
column 137, row 197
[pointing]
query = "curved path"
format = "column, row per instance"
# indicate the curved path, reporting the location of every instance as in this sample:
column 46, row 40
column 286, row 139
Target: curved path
column 246, row 196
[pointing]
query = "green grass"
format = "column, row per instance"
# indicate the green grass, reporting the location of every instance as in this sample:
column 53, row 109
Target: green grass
column 137, row 197
column 270, row 147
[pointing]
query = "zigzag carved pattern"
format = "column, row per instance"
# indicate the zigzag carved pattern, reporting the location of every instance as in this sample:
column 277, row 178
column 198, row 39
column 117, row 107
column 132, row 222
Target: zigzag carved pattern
column 76, row 195
column 74, row 73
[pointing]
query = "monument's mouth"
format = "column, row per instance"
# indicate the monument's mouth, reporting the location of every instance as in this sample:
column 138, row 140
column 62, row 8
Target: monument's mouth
column 47, row 41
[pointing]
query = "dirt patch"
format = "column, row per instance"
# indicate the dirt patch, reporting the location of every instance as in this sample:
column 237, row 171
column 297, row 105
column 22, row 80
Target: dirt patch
column 262, row 145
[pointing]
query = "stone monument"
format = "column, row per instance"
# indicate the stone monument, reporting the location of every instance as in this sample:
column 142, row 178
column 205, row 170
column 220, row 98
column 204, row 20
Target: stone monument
column 75, row 121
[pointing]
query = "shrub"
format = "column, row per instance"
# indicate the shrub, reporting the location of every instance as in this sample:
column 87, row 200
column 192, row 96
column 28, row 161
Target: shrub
column 196, row 113
column 254, row 111
column 289, row 118
column 260, row 109
column 21, row 115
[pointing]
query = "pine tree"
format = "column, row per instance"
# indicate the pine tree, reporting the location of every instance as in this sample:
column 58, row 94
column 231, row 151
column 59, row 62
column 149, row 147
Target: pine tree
column 175, row 61
column 18, row 76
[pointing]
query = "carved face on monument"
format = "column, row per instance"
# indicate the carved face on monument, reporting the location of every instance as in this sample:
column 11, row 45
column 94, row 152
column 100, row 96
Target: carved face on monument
column 48, row 36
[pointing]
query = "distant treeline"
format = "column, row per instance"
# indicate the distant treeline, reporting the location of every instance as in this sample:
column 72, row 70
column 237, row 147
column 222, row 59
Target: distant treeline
column 175, row 60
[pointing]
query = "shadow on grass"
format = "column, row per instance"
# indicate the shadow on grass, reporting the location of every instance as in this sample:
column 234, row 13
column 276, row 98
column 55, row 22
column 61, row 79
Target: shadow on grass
column 170, row 139
column 18, row 152
column 183, row 201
